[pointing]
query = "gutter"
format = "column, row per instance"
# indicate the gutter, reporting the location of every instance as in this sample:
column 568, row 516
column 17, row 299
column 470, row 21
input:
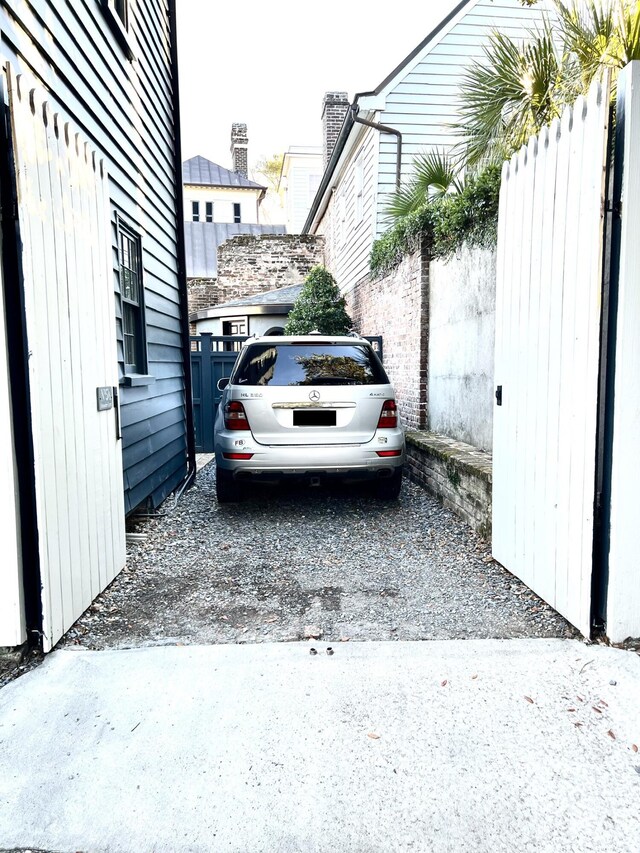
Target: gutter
column 328, row 172
column 320, row 203
column 182, row 259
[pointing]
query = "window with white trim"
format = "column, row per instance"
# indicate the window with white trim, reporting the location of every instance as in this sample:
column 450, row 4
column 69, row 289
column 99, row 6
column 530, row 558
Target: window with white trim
column 208, row 211
column 132, row 298
column 195, row 211
column 236, row 213
column 358, row 187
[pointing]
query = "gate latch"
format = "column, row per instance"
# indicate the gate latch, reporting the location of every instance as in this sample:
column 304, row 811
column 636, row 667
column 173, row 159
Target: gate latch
column 499, row 395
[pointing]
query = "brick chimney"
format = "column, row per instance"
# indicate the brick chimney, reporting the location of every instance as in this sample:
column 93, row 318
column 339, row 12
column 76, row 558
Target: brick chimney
column 239, row 144
column 334, row 109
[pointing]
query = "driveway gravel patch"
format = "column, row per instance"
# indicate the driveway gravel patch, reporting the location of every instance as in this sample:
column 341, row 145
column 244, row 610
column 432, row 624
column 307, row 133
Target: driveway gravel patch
column 291, row 564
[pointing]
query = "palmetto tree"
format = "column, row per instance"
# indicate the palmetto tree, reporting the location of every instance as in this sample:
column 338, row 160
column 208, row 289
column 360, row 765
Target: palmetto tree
column 518, row 87
column 509, row 95
column 434, row 175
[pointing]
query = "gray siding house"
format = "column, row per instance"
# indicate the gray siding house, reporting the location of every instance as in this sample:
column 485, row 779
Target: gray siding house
column 94, row 368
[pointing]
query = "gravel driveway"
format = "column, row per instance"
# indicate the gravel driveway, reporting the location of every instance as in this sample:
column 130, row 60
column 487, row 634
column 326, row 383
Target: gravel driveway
column 287, row 565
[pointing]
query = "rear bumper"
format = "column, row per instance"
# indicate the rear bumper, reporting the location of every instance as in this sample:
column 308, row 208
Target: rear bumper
column 348, row 462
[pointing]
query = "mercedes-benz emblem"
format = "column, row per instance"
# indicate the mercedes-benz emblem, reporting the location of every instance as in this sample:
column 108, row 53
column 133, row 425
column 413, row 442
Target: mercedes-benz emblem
column 314, row 396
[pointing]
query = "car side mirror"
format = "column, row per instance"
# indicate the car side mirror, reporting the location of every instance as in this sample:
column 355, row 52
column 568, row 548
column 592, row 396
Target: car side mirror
column 222, row 383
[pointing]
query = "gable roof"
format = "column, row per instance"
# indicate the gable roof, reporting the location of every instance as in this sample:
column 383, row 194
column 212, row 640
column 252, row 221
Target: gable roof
column 354, row 109
column 418, row 50
column 204, row 173
column 278, row 301
column 282, row 296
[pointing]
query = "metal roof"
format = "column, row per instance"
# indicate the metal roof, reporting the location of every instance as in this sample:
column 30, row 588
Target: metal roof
column 278, row 301
column 203, row 238
column 202, row 172
column 279, row 296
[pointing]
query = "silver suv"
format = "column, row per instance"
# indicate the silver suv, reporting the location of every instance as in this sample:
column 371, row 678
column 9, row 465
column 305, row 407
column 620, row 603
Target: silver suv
column 310, row 407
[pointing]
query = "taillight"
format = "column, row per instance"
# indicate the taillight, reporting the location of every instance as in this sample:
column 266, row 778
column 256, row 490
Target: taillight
column 237, row 455
column 388, row 415
column 389, row 452
column 235, row 416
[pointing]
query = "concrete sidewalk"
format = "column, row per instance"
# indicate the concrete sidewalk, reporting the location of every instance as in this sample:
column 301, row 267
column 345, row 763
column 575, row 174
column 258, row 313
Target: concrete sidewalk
column 479, row 745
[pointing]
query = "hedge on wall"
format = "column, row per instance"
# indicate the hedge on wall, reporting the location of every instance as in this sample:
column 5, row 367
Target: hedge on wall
column 470, row 216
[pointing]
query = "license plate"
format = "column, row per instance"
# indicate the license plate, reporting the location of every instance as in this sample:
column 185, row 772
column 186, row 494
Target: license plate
column 314, row 417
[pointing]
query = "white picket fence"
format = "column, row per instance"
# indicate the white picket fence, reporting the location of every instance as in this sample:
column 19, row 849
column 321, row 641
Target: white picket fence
column 548, row 301
column 69, row 304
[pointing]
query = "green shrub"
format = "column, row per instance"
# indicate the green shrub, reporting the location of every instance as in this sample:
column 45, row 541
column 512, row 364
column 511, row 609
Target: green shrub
column 446, row 223
column 320, row 307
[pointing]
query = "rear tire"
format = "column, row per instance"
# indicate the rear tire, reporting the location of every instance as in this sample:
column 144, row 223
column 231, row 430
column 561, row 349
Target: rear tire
column 389, row 488
column 227, row 489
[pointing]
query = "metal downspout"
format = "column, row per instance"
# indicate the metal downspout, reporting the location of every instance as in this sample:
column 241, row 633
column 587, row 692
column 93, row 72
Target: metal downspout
column 383, row 128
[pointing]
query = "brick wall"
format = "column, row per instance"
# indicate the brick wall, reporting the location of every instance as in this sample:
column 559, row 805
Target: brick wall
column 202, row 293
column 334, row 109
column 253, row 264
column 396, row 307
column 239, row 144
column 457, row 473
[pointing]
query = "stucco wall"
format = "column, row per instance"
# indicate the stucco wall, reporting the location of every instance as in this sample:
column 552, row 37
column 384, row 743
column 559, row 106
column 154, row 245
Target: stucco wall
column 461, row 346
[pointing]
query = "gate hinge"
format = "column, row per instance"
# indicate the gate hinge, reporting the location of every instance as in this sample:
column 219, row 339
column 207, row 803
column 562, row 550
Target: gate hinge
column 616, row 209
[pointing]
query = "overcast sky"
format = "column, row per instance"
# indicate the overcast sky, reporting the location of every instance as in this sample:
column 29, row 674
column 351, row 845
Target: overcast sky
column 269, row 64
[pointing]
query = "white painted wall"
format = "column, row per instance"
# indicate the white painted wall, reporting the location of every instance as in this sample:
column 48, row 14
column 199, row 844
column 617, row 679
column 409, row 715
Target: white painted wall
column 302, row 170
column 462, row 300
column 12, row 621
column 258, row 324
column 223, row 200
column 623, row 606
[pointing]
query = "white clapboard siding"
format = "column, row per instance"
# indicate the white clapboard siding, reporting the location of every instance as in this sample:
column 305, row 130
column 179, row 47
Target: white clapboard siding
column 422, row 101
column 70, row 315
column 623, row 602
column 549, row 273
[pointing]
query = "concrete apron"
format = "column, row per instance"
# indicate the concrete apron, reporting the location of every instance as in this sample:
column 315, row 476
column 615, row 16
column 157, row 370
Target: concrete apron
column 472, row 745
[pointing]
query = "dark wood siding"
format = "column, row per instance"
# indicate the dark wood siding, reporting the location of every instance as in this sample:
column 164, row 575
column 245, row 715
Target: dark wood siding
column 126, row 110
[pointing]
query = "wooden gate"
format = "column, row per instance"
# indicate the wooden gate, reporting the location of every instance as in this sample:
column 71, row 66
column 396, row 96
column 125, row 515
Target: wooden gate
column 212, row 358
column 548, row 305
column 63, row 211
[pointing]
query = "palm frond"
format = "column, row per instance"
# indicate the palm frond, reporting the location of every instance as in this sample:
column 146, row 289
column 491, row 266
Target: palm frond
column 629, row 24
column 508, row 95
column 434, row 174
column 591, row 36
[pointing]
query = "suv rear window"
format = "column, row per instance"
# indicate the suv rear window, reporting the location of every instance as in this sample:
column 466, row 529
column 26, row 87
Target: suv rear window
column 309, row 364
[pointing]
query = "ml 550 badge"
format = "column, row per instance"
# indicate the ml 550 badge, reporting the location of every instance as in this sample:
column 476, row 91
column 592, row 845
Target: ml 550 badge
column 252, row 395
